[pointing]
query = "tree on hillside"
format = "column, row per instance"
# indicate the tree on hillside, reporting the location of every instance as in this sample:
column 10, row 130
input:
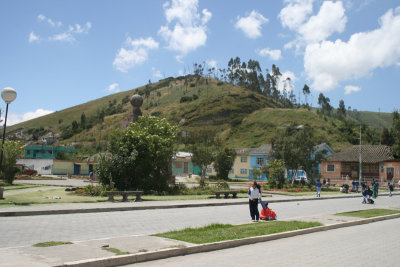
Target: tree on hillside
column 83, row 120
column 324, row 103
column 139, row 157
column 295, row 146
column 386, row 137
column 341, row 110
column 306, row 93
column 11, row 152
column 223, row 162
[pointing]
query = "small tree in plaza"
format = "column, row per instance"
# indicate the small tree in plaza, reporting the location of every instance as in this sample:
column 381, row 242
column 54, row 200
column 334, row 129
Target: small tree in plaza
column 256, row 172
column 12, row 151
column 276, row 171
column 223, row 162
column 140, row 156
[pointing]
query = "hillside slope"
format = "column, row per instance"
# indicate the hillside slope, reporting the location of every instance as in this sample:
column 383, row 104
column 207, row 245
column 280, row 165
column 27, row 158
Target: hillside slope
column 241, row 117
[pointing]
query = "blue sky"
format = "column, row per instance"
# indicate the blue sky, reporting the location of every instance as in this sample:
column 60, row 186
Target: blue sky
column 57, row 54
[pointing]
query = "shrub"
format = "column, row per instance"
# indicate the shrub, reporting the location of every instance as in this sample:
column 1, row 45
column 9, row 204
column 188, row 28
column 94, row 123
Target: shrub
column 195, row 97
column 186, row 99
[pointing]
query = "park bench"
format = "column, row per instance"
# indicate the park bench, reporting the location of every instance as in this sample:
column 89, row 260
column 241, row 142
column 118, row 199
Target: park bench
column 124, row 195
column 226, row 193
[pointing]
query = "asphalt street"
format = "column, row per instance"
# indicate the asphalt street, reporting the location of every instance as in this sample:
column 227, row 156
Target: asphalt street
column 27, row 230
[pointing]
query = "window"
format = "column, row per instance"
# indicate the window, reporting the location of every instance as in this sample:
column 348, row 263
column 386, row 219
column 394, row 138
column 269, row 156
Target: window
column 382, row 168
column 331, row 168
column 209, row 170
column 28, row 152
column 243, row 171
column 260, row 161
column 178, row 164
column 243, row 159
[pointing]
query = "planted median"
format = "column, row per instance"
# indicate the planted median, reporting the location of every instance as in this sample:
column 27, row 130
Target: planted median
column 222, row 232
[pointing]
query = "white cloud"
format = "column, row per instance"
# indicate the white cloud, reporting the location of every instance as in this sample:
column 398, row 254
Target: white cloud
column 212, row 63
column 294, row 14
column 52, row 23
column 189, row 31
column 14, row 118
column 273, row 54
column 69, row 35
column 348, row 89
column 251, row 25
column 286, row 81
column 330, row 19
column 113, row 88
column 327, row 63
column 157, row 73
column 135, row 53
column 33, row 37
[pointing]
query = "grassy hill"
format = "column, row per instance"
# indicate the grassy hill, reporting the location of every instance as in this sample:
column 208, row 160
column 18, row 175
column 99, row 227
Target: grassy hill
column 241, row 117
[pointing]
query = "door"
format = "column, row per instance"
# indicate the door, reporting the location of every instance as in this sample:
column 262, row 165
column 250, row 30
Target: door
column 185, row 167
column 389, row 174
column 77, row 169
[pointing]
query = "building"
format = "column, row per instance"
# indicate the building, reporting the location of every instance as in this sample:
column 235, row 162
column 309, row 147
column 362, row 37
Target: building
column 45, row 152
column 246, row 159
column 59, row 167
column 182, row 165
column 377, row 163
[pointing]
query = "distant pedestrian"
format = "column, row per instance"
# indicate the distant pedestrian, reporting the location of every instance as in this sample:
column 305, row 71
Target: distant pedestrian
column 254, row 195
column 318, row 186
column 390, row 188
column 363, row 186
column 353, row 183
column 377, row 189
column 357, row 185
column 91, row 175
column 374, row 190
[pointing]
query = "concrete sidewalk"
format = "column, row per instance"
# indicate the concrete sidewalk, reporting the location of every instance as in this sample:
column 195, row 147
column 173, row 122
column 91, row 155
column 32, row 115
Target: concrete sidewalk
column 141, row 248
column 70, row 208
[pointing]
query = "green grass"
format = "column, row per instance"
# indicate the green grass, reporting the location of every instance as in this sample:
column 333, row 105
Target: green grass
column 47, row 197
column 368, row 213
column 51, row 244
column 117, row 251
column 20, row 186
column 221, row 232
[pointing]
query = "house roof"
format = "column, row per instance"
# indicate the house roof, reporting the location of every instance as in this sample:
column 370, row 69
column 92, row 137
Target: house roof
column 262, row 150
column 181, row 154
column 369, row 154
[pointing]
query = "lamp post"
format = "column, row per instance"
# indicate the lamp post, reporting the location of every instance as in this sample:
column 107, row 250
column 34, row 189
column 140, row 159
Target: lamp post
column 9, row 95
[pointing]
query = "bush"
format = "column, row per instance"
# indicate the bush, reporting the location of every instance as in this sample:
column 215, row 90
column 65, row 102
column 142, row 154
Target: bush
column 91, row 190
column 220, row 83
column 186, row 99
column 212, row 178
column 195, row 97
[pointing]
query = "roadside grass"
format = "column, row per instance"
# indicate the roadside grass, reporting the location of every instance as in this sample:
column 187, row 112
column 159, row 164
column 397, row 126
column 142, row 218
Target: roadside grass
column 20, row 186
column 222, row 232
column 369, row 213
column 117, row 251
column 51, row 244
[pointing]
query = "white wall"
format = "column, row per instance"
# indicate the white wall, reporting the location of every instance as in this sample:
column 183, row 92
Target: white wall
column 42, row 166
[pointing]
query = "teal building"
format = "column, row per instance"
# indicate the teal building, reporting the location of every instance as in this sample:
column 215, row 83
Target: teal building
column 45, row 152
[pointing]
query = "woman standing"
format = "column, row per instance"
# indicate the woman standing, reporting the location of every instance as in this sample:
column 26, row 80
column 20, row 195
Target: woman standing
column 254, row 194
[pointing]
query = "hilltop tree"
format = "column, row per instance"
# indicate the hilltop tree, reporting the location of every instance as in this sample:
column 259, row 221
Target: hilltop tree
column 386, row 137
column 306, row 93
column 396, row 133
column 83, row 120
column 341, row 110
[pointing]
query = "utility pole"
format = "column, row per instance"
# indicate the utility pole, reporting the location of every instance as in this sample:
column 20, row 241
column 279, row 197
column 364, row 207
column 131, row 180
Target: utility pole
column 360, row 165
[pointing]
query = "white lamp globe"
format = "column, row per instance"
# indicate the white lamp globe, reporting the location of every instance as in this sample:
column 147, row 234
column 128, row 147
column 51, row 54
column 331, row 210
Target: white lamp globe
column 9, row 95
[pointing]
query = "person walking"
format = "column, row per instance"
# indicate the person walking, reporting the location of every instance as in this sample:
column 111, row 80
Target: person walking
column 374, row 190
column 390, row 188
column 254, row 195
column 318, row 186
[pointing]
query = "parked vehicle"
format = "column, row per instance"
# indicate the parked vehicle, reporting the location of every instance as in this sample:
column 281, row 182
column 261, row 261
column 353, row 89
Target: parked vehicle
column 29, row 172
column 299, row 175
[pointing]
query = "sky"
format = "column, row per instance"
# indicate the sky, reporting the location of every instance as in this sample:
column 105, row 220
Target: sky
column 58, row 54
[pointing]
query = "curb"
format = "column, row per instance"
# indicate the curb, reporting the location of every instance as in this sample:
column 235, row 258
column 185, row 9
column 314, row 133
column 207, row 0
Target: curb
column 149, row 256
column 176, row 206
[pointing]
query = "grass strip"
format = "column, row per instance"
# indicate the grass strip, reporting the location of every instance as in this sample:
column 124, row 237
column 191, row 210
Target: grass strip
column 116, row 251
column 51, row 244
column 368, row 213
column 221, row 232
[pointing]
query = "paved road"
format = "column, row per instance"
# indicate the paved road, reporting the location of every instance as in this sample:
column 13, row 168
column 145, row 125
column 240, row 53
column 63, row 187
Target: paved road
column 65, row 182
column 18, row 231
column 374, row 244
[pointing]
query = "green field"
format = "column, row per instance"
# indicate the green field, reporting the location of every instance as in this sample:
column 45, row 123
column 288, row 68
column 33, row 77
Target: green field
column 221, row 232
column 369, row 213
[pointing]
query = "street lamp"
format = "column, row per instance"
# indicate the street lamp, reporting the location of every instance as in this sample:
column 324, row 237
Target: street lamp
column 9, row 95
